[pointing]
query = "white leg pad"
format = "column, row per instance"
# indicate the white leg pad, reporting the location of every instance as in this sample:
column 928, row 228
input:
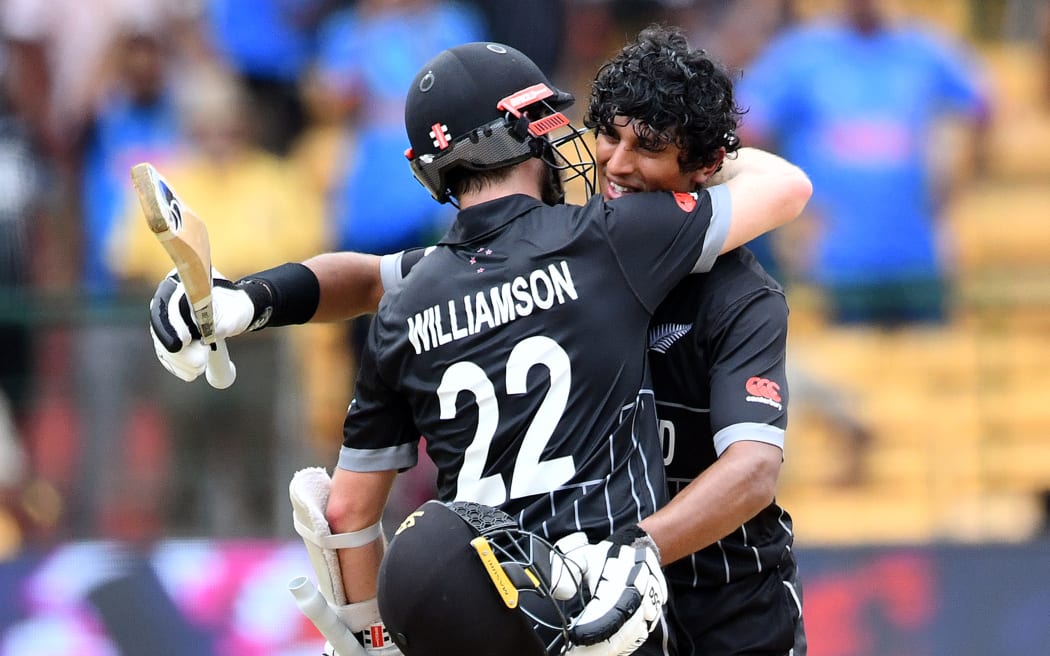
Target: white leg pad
column 308, row 491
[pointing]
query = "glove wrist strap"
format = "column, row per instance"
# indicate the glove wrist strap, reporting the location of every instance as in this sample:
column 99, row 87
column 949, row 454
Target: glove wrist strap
column 635, row 536
column 365, row 624
column 284, row 295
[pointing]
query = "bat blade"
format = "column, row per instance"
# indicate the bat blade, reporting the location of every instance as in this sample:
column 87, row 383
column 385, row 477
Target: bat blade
column 185, row 239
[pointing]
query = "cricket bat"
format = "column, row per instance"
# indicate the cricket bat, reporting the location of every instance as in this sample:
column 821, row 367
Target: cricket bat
column 185, row 239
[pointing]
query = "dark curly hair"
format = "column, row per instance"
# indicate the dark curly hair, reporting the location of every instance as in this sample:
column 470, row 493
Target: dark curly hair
column 676, row 95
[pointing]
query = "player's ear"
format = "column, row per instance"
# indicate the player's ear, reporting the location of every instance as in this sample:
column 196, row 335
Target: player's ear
column 700, row 176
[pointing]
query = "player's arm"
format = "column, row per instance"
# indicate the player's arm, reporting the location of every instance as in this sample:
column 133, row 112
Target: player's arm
column 748, row 418
column 327, row 287
column 728, row 493
column 765, row 192
column 339, row 521
column 349, row 284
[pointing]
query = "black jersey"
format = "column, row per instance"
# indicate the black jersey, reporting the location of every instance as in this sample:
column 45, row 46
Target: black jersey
column 517, row 351
column 717, row 348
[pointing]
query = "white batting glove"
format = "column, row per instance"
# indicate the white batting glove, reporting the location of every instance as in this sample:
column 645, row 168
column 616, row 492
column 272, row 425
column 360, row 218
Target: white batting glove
column 176, row 337
column 392, row 650
column 628, row 592
column 363, row 620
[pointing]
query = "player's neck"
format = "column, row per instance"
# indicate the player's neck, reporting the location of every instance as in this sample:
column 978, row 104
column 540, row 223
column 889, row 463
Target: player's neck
column 523, row 179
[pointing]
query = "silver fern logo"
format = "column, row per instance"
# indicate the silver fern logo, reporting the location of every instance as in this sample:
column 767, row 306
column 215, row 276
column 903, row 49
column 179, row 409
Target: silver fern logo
column 663, row 336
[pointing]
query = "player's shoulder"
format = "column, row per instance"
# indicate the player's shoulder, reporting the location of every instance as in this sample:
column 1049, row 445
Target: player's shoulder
column 401, row 290
column 736, row 277
column 645, row 204
column 742, row 265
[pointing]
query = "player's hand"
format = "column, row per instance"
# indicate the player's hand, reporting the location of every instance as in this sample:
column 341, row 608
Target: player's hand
column 366, row 636
column 176, row 336
column 627, row 587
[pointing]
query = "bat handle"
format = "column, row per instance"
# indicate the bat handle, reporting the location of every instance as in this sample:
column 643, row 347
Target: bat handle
column 221, row 371
column 316, row 608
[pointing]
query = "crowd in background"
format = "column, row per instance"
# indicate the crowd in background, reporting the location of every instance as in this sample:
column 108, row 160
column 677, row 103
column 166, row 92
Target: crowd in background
column 280, row 123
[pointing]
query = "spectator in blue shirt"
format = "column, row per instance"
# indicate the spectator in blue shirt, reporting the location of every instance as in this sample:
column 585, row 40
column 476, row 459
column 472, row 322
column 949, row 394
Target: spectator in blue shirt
column 269, row 44
column 853, row 102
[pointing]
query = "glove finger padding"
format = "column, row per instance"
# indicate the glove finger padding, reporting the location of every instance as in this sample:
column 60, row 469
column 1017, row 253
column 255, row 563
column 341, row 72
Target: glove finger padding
column 187, row 364
column 628, row 593
column 567, row 573
column 170, row 329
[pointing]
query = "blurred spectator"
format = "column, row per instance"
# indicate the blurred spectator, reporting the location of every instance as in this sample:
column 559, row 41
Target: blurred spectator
column 56, row 46
column 20, row 190
column 734, row 32
column 234, row 451
column 268, row 44
column 56, row 82
column 13, row 474
column 135, row 120
column 854, row 102
column 21, row 180
column 536, row 28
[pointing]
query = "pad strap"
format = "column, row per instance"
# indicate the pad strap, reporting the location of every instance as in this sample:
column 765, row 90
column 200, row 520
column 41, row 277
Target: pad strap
column 339, row 540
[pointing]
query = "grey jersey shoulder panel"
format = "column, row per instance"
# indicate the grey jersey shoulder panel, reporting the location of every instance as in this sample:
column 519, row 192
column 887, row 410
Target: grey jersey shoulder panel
column 721, row 217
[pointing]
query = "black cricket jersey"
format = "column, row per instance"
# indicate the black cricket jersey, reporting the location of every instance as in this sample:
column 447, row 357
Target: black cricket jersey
column 517, row 351
column 717, row 350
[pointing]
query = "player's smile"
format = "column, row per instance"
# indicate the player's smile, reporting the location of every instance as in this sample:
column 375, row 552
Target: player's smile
column 614, row 190
column 627, row 164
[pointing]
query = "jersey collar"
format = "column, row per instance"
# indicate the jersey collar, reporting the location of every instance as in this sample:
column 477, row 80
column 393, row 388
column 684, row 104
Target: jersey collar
column 480, row 220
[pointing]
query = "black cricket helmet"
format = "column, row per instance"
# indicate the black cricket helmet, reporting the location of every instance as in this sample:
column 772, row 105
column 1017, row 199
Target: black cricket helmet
column 482, row 106
column 462, row 578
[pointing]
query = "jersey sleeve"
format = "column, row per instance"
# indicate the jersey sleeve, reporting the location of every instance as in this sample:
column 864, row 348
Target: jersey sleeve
column 394, row 267
column 959, row 77
column 749, row 388
column 661, row 237
column 378, row 433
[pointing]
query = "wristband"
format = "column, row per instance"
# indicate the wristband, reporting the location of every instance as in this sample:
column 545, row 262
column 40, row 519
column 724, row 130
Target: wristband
column 284, row 295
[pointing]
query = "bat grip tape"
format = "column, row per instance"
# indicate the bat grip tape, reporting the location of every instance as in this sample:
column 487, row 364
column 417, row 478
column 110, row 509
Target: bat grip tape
column 282, row 296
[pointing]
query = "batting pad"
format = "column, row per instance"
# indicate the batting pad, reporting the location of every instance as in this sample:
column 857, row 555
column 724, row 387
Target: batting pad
column 309, row 494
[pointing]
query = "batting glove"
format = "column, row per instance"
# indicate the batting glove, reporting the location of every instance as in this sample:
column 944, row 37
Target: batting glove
column 367, row 626
column 628, row 592
column 176, row 337
column 391, row 650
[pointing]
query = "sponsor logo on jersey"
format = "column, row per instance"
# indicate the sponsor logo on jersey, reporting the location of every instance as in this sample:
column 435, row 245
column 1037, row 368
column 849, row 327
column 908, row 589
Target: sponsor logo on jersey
column 663, row 336
column 763, row 390
column 686, row 201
